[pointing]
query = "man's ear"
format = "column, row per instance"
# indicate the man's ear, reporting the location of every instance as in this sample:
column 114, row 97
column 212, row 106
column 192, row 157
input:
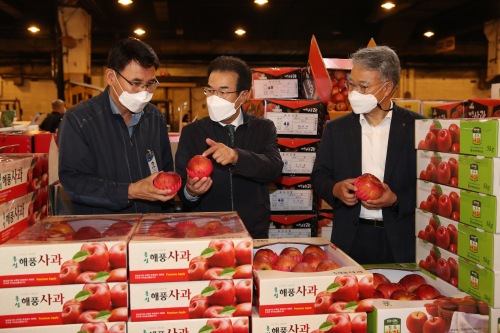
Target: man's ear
column 110, row 76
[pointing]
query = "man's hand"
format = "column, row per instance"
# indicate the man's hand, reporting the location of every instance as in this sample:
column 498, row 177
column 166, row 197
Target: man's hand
column 386, row 200
column 341, row 192
column 196, row 186
column 145, row 190
column 221, row 153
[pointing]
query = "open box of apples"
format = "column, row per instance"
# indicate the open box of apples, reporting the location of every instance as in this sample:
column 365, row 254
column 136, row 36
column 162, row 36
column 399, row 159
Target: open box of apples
column 335, row 322
column 190, row 247
column 113, row 327
column 67, row 304
column 411, row 301
column 302, row 276
column 68, row 250
column 213, row 325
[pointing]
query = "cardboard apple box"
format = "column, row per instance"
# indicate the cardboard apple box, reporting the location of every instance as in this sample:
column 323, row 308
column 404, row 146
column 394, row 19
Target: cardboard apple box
column 426, row 228
column 325, row 224
column 190, row 300
column 452, row 110
column 477, row 137
column 473, row 173
column 276, row 82
column 476, row 209
column 393, row 315
column 18, row 214
column 479, row 281
column 21, row 174
column 293, row 226
column 47, row 253
column 204, row 255
column 483, row 107
column 438, row 261
column 298, row 155
column 427, row 106
column 292, row 194
column 283, row 293
column 414, row 105
column 191, row 325
column 494, row 320
column 58, row 305
column 310, row 323
column 115, row 327
column 479, row 246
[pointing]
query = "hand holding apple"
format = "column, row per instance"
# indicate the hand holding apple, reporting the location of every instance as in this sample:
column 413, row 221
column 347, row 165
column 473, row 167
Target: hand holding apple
column 387, row 199
column 342, row 191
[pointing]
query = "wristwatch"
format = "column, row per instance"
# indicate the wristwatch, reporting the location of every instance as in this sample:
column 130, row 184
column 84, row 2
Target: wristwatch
column 395, row 206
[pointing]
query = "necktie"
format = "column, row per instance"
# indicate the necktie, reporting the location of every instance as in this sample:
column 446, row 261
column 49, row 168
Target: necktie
column 231, row 128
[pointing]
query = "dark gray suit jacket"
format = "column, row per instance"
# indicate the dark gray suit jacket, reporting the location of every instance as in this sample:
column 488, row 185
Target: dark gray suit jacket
column 339, row 158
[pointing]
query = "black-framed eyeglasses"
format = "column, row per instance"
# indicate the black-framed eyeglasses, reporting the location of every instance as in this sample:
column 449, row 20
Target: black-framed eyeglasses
column 360, row 88
column 139, row 86
column 222, row 94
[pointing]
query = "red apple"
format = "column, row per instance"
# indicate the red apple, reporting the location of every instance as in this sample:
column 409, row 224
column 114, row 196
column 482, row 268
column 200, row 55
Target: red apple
column 243, row 252
column 262, row 262
column 327, row 265
column 442, row 237
column 455, row 216
column 432, row 204
column 452, row 263
column 243, row 310
column 421, row 145
column 119, row 295
column 341, row 323
column 69, row 273
column 430, row 234
column 94, row 328
column 342, row 83
column 323, row 302
column 97, row 258
column 72, row 309
column 388, row 288
column 454, row 282
column 401, row 295
column 215, row 273
column 240, row 326
column 339, row 74
column 199, row 167
column 99, row 297
column 455, row 201
column 341, row 106
column 415, row 321
column 366, row 287
column 378, row 279
column 118, row 255
column 377, row 294
column 435, row 193
column 423, row 205
column 118, row 275
column 435, row 129
column 266, row 253
column 434, row 325
column 453, row 164
column 453, row 248
column 369, row 187
column 443, row 269
column 348, row 288
column 467, row 306
column 455, row 148
column 365, row 305
column 455, row 133
column 243, row 291
column 430, row 265
column 430, row 141
column 432, row 221
column 443, row 173
column 444, row 206
column 444, row 140
column 123, row 225
column 118, row 328
column 224, row 253
column 432, row 309
column 114, row 232
column 422, row 264
column 168, row 181
column 431, row 173
column 197, row 307
column 454, row 182
column 411, row 282
column 86, row 277
column 421, row 234
column 285, row 263
column 85, row 233
column 315, row 249
column 90, row 317
column 224, row 292
column 215, row 312
column 198, row 266
column 290, row 251
column 161, row 229
column 313, row 259
column 302, row 267
column 243, row 272
column 359, row 324
column 434, row 254
column 220, row 325
column 119, row 314
column 483, row 308
column 452, row 230
column 426, row 292
column 423, row 175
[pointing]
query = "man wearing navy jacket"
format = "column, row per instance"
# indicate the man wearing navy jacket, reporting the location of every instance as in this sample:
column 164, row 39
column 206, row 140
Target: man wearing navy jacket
column 378, row 137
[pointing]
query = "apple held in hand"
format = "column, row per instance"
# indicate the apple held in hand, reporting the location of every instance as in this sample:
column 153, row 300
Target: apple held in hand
column 199, row 167
column 369, row 187
column 168, row 181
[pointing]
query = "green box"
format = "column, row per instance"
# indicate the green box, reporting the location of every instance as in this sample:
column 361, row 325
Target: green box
column 479, row 246
column 480, row 282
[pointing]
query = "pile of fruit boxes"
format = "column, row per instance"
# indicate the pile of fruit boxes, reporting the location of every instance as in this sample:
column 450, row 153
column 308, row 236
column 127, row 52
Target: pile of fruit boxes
column 458, row 214
column 67, row 270
column 23, row 192
column 190, row 273
column 308, row 285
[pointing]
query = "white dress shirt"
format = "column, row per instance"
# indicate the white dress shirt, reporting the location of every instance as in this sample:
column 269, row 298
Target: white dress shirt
column 237, row 122
column 374, row 141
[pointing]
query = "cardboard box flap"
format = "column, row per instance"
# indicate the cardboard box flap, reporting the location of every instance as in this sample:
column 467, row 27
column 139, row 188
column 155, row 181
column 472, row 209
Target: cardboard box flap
column 319, row 241
column 397, row 266
column 323, row 214
column 276, row 71
column 9, row 162
column 319, row 72
column 291, row 103
column 486, row 101
column 295, row 143
column 332, row 63
column 448, row 106
column 288, row 181
column 290, row 219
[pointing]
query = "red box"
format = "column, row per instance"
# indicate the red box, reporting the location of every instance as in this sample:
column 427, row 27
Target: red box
column 21, row 174
column 483, row 108
column 29, row 141
column 452, row 110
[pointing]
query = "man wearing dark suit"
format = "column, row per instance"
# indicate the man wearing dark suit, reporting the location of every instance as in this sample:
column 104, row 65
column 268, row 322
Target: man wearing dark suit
column 377, row 138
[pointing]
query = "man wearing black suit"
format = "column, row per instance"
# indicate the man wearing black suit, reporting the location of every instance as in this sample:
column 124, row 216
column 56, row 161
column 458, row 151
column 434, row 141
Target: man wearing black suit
column 377, row 138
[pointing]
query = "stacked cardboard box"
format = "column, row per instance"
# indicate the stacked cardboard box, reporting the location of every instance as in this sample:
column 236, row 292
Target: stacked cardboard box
column 67, row 270
column 190, row 270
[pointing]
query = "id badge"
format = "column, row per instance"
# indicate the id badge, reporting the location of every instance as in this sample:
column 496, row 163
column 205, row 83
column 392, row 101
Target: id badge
column 150, row 156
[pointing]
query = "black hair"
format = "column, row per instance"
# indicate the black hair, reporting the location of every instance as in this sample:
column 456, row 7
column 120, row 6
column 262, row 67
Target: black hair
column 126, row 50
column 233, row 64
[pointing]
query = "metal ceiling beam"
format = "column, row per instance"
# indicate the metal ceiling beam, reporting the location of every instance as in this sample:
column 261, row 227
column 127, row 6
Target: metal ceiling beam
column 10, row 10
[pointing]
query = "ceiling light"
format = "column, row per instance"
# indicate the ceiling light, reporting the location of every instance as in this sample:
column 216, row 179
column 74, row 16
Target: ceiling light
column 429, row 34
column 139, row 31
column 125, row 2
column 240, row 32
column 33, row 29
column 260, row 2
column 388, row 5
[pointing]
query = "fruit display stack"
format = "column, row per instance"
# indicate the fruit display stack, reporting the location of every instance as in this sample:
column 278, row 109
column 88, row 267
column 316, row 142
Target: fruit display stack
column 195, row 267
column 410, row 301
column 28, row 142
column 23, row 192
column 458, row 208
column 483, row 107
column 339, row 100
column 310, row 285
column 67, row 270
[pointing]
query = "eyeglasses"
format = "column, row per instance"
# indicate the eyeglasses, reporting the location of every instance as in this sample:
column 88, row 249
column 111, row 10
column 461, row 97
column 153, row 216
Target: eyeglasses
column 221, row 94
column 139, row 86
column 360, row 88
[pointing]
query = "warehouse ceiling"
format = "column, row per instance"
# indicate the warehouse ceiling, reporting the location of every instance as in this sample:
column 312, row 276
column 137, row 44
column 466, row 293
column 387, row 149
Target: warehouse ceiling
column 278, row 32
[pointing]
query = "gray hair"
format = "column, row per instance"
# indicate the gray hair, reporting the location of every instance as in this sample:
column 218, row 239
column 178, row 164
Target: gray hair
column 380, row 58
column 57, row 104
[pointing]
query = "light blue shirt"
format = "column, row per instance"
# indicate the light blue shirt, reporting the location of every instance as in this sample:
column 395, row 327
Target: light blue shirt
column 135, row 116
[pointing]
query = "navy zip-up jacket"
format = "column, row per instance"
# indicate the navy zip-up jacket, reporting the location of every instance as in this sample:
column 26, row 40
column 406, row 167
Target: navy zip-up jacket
column 98, row 160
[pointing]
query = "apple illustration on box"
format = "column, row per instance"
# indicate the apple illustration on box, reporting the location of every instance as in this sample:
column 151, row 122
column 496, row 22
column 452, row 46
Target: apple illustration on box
column 442, row 204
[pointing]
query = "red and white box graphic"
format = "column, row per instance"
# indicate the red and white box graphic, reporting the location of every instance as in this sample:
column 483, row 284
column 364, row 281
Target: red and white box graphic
column 99, row 327
column 233, row 324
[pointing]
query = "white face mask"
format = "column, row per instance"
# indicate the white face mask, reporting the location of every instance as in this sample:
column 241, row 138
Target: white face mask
column 362, row 104
column 220, row 109
column 135, row 103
